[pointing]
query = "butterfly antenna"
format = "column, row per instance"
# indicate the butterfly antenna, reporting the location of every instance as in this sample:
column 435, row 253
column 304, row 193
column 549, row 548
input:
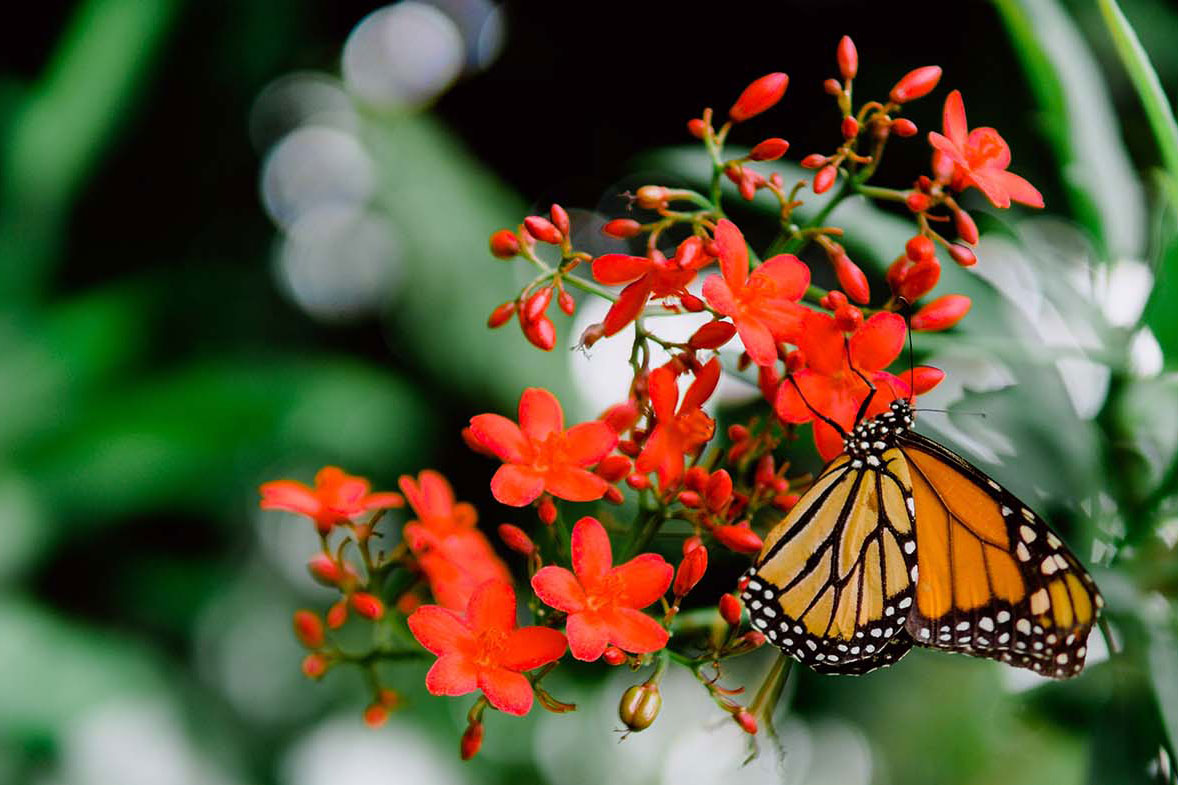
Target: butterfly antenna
column 838, row 428
column 871, row 387
column 907, row 308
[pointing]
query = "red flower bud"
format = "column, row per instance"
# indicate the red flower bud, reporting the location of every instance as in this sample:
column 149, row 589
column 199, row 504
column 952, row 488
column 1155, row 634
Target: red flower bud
column 813, row 161
column 747, row 187
column 719, row 490
column 712, row 335
column 942, row 313
column 918, row 202
column 367, row 605
column 560, row 219
column 850, row 127
column 967, row 230
column 832, row 87
column 898, row 271
column 324, row 569
column 920, row 280
column 825, row 178
column 759, row 96
column 621, row 228
column 691, row 543
column 613, row 655
column 546, row 511
column 472, row 740
column 501, row 314
column 651, row 197
column 786, row 501
column 621, row 416
column 697, row 128
column 852, row 279
column 848, row 57
column 730, row 609
column 766, row 472
column 517, row 539
column 696, row 479
column 903, row 127
column 746, row 721
column 315, row 665
column 639, row 482
column 769, row 150
column 376, row 715
column 308, row 629
column 690, row 499
column 767, row 381
column 504, row 244
column 848, row 318
column 541, row 333
column 613, row 468
column 833, row 300
column 542, row 229
column 738, row 433
column 337, row 614
column 963, row 255
column 741, row 539
column 691, row 570
column 922, row 378
column 691, row 303
column 916, row 84
column 920, row 248
column 537, row 303
column 629, row 447
column 753, row 639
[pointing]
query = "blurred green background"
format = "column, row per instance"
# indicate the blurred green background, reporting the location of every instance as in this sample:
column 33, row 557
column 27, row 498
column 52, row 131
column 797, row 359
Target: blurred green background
column 243, row 239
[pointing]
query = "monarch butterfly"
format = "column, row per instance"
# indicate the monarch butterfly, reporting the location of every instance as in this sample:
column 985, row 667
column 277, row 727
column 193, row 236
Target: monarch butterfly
column 901, row 541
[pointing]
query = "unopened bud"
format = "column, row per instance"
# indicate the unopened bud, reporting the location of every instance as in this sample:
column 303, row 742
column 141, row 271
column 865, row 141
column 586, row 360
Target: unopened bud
column 730, row 609
column 963, row 255
column 472, row 740
column 376, row 715
column 501, row 315
column 367, row 605
column 920, row 280
column 759, row 96
column 613, row 655
column 848, row 57
column 712, row 335
column 918, row 202
column 541, row 333
column 315, row 665
column 697, row 128
column 942, row 313
column 832, row 87
column 852, row 279
column 337, row 614
column 922, row 378
column 920, row 248
column 916, row 84
column 560, row 219
column 308, row 629
column 696, row 478
column 741, row 539
column 690, row 571
column 813, row 161
column 546, row 510
column 825, row 179
column 324, row 569
column 517, row 539
column 504, row 244
column 769, row 150
column 621, row 228
column 850, row 127
column 652, row 197
column 542, row 229
column 903, row 127
column 719, row 490
column 691, row 303
column 848, row 318
column 640, row 706
column 746, row 721
column 967, row 230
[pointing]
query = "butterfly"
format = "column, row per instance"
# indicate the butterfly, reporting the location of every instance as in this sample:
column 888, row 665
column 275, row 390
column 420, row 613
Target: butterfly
column 901, row 541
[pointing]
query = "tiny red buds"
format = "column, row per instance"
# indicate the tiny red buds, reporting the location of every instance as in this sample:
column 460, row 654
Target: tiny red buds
column 652, row 197
column 833, row 300
column 501, row 315
column 315, row 665
column 567, row 303
column 718, row 490
column 850, row 127
column 920, row 248
column 697, row 128
column 640, row 706
column 308, row 629
column 919, row 280
column 738, row 433
column 691, row 543
column 541, row 333
column 613, row 655
column 759, row 96
column 537, row 304
column 813, row 161
column 825, row 178
column 832, row 87
column 942, row 313
column 916, row 84
column 367, row 605
column 918, row 202
column 903, row 127
column 922, row 378
column 324, row 570
column 730, row 609
column 560, row 219
column 848, row 57
column 542, row 229
column 613, row 468
column 517, row 539
column 848, row 318
column 690, row 499
column 769, row 150
column 691, row 570
column 852, row 279
column 613, row 495
column 337, row 614
column 547, row 511
column 963, row 255
column 967, row 230
column 741, row 539
column 712, row 335
column 692, row 304
column 746, row 721
column 376, row 715
column 621, row 228
column 621, row 416
column 696, row 478
column 639, row 482
column 504, row 244
column 472, row 740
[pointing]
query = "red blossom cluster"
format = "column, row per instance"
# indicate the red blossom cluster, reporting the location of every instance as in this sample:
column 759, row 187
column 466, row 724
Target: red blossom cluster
column 603, row 589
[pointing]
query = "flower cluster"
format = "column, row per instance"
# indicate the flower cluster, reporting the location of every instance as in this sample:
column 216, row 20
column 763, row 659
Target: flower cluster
column 602, row 589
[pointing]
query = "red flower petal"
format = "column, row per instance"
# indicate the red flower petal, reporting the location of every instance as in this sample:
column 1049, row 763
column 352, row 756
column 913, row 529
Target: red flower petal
column 664, row 393
column 438, row 629
column 953, row 119
column 734, row 254
column 592, row 556
column 704, row 385
column 876, row 344
column 492, row 607
column 589, row 442
column 531, row 647
column 990, row 184
column 383, row 500
column 574, row 484
column 790, row 273
column 828, row 441
column 822, row 343
column 516, row 486
column 501, row 436
column 634, row 631
column 790, row 406
column 719, row 296
column 630, row 303
column 452, row 674
column 558, row 588
column 290, row 496
column 757, row 340
column 654, row 452
column 986, row 149
column 1018, row 188
column 539, row 414
column 508, row 691
column 436, row 497
column 644, row 579
column 588, row 635
column 950, row 150
column 619, row 268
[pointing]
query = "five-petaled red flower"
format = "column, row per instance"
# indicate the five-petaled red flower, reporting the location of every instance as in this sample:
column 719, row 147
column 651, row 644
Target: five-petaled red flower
column 979, row 158
column 540, row 455
column 483, row 649
column 647, row 276
column 603, row 601
column 454, row 555
column 829, row 383
column 336, row 498
column 677, row 433
column 764, row 305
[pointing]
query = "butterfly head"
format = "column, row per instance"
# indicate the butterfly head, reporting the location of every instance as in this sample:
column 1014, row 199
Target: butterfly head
column 876, row 434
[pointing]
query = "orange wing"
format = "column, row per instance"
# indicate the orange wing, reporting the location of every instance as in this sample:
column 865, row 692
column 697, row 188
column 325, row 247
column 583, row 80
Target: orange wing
column 993, row 580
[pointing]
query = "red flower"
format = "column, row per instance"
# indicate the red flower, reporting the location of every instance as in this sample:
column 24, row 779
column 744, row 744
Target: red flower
column 647, row 276
column 979, row 158
column 336, row 498
column 677, row 433
column 455, row 556
column 829, row 383
column 763, row 305
column 602, row 601
column 540, row 455
column 483, row 650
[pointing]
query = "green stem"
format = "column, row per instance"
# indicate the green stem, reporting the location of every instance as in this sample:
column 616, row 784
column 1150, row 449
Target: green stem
column 770, row 690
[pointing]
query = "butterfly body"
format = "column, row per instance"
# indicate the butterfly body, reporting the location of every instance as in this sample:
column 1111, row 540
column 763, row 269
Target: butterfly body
column 899, row 542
